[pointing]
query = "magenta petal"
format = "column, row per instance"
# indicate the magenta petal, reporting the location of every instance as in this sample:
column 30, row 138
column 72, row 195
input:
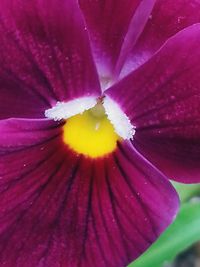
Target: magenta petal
column 168, row 17
column 114, row 27
column 132, row 204
column 45, row 56
column 162, row 99
column 60, row 209
column 17, row 134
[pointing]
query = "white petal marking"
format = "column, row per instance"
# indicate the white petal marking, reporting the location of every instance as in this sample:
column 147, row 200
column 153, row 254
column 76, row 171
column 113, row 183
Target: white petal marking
column 118, row 118
column 65, row 110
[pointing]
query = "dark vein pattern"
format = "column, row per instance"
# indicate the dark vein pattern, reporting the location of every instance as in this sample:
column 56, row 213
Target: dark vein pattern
column 58, row 208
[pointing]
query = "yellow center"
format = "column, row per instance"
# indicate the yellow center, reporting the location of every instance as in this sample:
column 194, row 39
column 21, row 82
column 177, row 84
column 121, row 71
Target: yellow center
column 91, row 133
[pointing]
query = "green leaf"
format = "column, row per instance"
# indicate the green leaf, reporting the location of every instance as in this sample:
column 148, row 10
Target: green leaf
column 184, row 232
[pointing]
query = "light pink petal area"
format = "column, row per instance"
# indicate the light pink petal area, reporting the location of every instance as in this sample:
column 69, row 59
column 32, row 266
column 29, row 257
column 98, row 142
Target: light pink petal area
column 162, row 99
column 114, row 27
column 61, row 209
column 167, row 18
column 45, row 56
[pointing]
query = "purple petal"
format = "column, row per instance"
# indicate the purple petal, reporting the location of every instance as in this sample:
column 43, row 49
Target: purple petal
column 168, row 17
column 134, row 204
column 22, row 133
column 162, row 99
column 45, row 56
column 114, row 27
column 61, row 209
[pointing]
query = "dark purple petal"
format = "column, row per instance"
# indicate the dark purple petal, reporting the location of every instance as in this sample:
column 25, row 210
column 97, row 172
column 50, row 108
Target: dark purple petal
column 168, row 17
column 62, row 209
column 45, row 56
column 114, row 27
column 162, row 99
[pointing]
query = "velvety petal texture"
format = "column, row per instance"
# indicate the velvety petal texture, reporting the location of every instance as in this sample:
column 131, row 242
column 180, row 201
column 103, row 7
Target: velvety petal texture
column 114, row 27
column 167, row 18
column 162, row 99
column 59, row 208
column 62, row 209
column 45, row 56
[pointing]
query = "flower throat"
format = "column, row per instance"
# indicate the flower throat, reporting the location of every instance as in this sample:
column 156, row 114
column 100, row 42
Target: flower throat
column 91, row 133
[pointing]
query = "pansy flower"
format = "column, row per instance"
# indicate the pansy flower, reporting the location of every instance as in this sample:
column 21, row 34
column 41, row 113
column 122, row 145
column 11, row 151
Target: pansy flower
column 100, row 107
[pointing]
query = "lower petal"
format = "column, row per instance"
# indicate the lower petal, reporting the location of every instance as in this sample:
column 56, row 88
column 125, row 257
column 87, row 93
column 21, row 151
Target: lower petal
column 59, row 208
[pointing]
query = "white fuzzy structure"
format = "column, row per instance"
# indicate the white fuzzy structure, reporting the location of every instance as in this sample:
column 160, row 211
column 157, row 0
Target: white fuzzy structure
column 118, row 118
column 65, row 110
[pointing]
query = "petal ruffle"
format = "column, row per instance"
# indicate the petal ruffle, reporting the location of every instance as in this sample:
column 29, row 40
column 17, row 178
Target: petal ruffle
column 114, row 27
column 61, row 209
column 162, row 99
column 41, row 59
column 168, row 18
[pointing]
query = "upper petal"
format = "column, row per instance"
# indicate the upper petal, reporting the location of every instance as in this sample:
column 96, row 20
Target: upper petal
column 114, row 27
column 167, row 18
column 162, row 99
column 58, row 208
column 45, row 56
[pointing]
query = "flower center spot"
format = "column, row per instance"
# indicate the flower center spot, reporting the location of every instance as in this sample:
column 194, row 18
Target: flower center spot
column 91, row 133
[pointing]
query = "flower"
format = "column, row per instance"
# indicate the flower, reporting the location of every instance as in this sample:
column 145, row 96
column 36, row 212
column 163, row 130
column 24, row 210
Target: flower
column 100, row 105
